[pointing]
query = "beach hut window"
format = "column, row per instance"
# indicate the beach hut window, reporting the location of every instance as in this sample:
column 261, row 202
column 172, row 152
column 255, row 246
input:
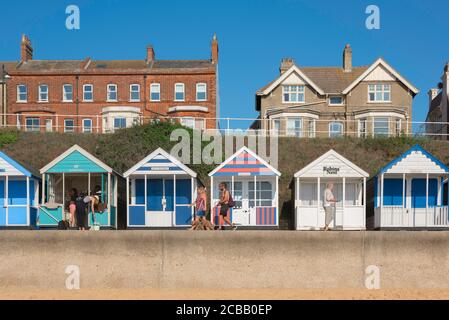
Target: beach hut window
column 308, row 194
column 264, row 194
column 17, row 192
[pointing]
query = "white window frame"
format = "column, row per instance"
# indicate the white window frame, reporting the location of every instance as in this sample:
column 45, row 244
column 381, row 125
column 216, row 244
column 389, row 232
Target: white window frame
column 359, row 127
column 40, row 92
column 65, row 125
column 121, row 118
column 205, row 91
column 290, row 92
column 398, row 129
column 388, row 127
column 108, row 92
column 131, row 92
column 84, row 126
column 376, row 91
column 64, row 93
column 287, row 129
column 331, row 131
column 275, row 130
column 91, row 92
column 311, row 128
column 336, row 104
column 38, row 129
column 19, row 93
column 183, row 91
column 152, row 87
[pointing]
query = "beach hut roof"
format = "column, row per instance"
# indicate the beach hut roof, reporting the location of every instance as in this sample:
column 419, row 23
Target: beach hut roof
column 160, row 162
column 329, row 161
column 76, row 160
column 9, row 166
column 415, row 160
column 245, row 163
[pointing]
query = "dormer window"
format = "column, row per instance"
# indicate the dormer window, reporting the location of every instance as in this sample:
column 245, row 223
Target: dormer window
column 336, row 101
column 293, row 94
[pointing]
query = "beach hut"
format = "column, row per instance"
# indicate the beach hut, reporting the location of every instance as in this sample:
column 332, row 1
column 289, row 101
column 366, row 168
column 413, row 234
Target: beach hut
column 409, row 192
column 160, row 190
column 349, row 189
column 19, row 192
column 254, row 186
column 77, row 168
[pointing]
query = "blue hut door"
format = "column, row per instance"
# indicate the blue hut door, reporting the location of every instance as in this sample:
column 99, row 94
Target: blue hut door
column 160, row 195
column 419, row 193
column 183, row 200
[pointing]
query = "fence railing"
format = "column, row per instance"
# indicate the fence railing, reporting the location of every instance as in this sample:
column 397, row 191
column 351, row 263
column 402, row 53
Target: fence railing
column 285, row 127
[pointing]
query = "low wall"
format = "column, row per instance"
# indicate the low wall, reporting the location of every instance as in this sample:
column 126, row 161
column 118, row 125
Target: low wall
column 241, row 259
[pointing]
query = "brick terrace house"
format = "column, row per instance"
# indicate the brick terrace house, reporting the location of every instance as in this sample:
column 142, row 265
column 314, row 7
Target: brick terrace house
column 101, row 96
column 336, row 101
column 438, row 115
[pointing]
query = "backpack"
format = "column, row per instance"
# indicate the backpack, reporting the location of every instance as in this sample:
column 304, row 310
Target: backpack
column 63, row 225
column 231, row 202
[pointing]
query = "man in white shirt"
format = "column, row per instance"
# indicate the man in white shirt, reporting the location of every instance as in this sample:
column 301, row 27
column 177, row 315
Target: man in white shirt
column 329, row 205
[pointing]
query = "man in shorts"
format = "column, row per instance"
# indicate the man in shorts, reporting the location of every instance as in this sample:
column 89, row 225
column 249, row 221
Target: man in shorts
column 329, row 205
column 224, row 206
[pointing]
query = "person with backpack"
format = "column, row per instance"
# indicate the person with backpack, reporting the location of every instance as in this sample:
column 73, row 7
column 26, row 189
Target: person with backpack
column 226, row 202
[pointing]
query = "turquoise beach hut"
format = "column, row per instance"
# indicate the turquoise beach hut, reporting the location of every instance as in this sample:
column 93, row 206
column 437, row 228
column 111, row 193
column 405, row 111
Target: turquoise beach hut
column 77, row 168
column 19, row 192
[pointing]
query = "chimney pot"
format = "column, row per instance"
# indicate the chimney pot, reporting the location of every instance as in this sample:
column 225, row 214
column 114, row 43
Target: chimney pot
column 286, row 63
column 347, row 58
column 150, row 54
column 26, row 49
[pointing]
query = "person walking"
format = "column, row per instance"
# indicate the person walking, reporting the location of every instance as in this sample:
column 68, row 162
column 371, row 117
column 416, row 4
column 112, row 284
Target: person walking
column 329, row 202
column 201, row 208
column 224, row 203
column 73, row 194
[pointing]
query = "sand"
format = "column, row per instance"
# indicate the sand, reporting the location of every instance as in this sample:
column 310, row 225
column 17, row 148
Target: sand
column 224, row 294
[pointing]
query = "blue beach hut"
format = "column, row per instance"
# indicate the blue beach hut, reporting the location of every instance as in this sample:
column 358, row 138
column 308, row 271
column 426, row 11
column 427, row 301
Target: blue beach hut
column 77, row 168
column 19, row 192
column 409, row 192
column 160, row 190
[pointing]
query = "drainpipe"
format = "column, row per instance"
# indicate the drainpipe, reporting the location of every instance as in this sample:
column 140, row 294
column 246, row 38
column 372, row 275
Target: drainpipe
column 77, row 77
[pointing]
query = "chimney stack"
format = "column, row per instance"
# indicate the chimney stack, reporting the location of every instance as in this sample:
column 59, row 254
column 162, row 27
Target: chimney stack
column 347, row 58
column 286, row 63
column 150, row 54
column 432, row 94
column 26, row 50
column 214, row 49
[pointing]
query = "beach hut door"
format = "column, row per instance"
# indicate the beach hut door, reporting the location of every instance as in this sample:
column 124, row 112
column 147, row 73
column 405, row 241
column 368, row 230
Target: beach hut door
column 183, row 210
column 160, row 195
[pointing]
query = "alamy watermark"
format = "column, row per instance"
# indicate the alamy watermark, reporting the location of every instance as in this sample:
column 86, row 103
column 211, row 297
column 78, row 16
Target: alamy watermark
column 372, row 22
column 372, row 277
column 72, row 21
column 73, row 279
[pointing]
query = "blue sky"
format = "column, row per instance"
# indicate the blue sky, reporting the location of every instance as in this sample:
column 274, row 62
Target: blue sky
column 253, row 37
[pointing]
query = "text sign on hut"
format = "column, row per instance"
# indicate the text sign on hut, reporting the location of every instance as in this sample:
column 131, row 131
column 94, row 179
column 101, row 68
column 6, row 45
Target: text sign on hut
column 331, row 170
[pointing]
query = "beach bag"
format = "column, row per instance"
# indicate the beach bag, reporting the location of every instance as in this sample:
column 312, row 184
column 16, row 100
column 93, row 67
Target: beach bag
column 63, row 225
column 231, row 202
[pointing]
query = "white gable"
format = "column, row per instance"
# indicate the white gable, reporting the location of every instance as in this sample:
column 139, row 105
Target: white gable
column 293, row 79
column 6, row 169
column 380, row 74
column 416, row 162
column 332, row 164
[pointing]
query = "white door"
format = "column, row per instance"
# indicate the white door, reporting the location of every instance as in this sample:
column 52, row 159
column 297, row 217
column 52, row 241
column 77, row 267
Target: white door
column 241, row 212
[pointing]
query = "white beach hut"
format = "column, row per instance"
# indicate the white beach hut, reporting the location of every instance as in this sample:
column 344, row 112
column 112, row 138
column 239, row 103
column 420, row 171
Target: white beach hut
column 349, row 188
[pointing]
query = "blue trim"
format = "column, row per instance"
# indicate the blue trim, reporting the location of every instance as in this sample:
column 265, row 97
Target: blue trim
column 169, row 169
column 408, row 152
column 160, row 161
column 15, row 164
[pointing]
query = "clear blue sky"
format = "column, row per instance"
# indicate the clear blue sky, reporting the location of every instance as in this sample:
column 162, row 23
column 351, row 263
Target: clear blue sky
column 253, row 37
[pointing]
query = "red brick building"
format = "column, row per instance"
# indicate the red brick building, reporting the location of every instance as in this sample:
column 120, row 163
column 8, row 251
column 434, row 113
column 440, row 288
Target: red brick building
column 101, row 96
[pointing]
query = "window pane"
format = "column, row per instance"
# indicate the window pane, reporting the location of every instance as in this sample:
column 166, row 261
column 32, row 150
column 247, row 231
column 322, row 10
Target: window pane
column 68, row 94
column 69, row 125
column 380, row 126
column 119, row 123
column 32, row 124
column 335, row 129
column 87, row 125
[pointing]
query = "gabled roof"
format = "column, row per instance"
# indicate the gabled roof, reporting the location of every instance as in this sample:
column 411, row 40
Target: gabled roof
column 381, row 62
column 331, row 153
column 16, row 165
column 244, row 162
column 76, row 148
column 285, row 75
column 161, row 160
column 418, row 165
